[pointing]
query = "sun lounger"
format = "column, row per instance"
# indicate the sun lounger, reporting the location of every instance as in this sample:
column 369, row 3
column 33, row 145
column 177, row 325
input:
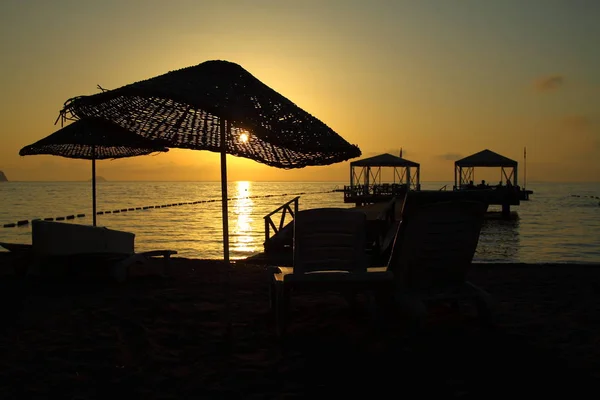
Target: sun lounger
column 431, row 255
column 328, row 252
column 65, row 243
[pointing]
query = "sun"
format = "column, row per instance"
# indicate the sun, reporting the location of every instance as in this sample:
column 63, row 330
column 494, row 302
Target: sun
column 244, row 137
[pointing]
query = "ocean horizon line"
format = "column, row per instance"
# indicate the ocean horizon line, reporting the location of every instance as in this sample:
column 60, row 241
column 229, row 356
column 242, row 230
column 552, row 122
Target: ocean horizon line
column 249, row 180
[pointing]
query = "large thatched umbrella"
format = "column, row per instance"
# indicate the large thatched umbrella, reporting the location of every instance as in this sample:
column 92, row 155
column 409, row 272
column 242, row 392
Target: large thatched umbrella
column 218, row 106
column 93, row 139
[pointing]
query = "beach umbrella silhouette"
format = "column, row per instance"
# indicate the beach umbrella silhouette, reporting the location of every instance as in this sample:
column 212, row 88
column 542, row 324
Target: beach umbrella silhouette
column 220, row 107
column 93, row 139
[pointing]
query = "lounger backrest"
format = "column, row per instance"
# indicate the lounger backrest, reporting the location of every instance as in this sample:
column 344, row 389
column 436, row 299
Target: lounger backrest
column 329, row 239
column 436, row 243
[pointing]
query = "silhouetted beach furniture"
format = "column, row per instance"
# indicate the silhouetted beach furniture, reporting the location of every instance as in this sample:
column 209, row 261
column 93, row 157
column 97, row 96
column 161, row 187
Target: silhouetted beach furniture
column 16, row 247
column 65, row 245
column 93, row 139
column 329, row 252
column 218, row 106
column 432, row 254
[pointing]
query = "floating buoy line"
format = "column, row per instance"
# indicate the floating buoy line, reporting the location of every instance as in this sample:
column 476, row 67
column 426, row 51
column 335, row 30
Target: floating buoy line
column 26, row 222
column 588, row 196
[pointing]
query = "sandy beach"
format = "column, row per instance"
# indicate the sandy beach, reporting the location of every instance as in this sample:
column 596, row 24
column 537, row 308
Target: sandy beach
column 165, row 338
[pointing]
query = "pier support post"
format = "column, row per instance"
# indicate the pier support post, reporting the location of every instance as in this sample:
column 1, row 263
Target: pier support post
column 506, row 210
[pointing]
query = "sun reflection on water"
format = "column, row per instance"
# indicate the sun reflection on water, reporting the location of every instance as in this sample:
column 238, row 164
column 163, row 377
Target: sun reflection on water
column 241, row 240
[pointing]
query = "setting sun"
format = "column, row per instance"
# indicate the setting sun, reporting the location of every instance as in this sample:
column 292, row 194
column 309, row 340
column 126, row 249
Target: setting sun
column 244, row 137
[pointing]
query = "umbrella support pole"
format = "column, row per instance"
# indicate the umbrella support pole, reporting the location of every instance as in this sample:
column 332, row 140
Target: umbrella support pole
column 225, row 130
column 93, row 186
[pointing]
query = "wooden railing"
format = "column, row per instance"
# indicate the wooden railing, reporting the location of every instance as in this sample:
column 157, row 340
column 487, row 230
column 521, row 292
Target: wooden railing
column 285, row 209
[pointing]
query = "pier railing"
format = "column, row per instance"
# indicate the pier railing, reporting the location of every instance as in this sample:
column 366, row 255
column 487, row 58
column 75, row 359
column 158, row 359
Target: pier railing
column 283, row 210
column 374, row 193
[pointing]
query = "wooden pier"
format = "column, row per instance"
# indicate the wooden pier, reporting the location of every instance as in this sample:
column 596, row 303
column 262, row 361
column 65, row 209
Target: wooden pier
column 383, row 202
column 367, row 187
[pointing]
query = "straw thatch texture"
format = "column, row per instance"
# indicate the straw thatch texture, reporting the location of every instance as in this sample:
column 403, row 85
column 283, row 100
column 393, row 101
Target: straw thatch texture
column 184, row 108
column 93, row 138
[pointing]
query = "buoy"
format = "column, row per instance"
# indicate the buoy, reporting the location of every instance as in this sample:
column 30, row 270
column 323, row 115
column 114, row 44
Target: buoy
column 60, row 218
column 48, row 219
column 99, row 212
column 145, row 208
column 116, row 211
column 80, row 215
column 70, row 217
column 107, row 212
column 11, row 225
column 131, row 209
column 138, row 208
column 123, row 210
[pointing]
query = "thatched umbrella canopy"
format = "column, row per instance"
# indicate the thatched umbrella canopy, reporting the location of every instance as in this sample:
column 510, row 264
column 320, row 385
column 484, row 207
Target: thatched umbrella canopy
column 185, row 108
column 93, row 139
column 221, row 107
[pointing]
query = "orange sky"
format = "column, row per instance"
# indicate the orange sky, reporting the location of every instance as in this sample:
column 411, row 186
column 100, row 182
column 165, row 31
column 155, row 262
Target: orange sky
column 442, row 80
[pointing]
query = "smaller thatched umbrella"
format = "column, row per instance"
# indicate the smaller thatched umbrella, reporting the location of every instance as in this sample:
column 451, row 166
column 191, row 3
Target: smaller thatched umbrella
column 93, row 139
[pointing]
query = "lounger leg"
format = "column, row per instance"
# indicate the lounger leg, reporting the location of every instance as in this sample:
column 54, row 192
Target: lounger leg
column 483, row 302
column 120, row 271
column 283, row 303
column 166, row 265
column 272, row 297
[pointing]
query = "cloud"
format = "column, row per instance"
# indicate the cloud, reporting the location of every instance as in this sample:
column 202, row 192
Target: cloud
column 450, row 156
column 576, row 122
column 548, row 83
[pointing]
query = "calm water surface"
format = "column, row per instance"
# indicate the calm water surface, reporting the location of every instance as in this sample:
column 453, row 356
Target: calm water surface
column 561, row 222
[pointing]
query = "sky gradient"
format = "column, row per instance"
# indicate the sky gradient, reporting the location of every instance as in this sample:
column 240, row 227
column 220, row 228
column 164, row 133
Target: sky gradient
column 439, row 79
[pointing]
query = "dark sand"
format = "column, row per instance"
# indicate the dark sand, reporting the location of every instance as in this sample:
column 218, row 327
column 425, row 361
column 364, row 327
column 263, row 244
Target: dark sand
column 164, row 338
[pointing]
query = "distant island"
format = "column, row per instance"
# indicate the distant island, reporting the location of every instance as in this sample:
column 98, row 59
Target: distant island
column 98, row 179
column 3, row 177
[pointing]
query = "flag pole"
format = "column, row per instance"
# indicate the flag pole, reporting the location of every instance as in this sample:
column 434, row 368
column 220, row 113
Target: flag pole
column 524, row 167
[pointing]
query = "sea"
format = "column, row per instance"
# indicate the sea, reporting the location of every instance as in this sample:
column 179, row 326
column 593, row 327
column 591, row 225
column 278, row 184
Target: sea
column 559, row 224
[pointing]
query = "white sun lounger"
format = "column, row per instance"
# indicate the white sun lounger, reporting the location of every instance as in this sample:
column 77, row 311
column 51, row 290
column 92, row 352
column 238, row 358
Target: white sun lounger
column 53, row 241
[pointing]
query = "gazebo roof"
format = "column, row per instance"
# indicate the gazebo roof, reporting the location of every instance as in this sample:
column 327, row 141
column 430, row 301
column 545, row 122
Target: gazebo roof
column 486, row 158
column 384, row 160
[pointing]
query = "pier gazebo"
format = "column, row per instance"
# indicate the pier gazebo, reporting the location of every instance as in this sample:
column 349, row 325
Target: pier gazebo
column 464, row 169
column 366, row 179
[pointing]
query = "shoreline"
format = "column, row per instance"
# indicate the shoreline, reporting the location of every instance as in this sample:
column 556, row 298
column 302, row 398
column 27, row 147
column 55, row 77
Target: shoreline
column 165, row 337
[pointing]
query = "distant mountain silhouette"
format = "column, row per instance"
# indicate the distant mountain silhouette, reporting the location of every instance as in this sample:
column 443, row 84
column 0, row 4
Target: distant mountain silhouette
column 3, row 177
column 98, row 179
